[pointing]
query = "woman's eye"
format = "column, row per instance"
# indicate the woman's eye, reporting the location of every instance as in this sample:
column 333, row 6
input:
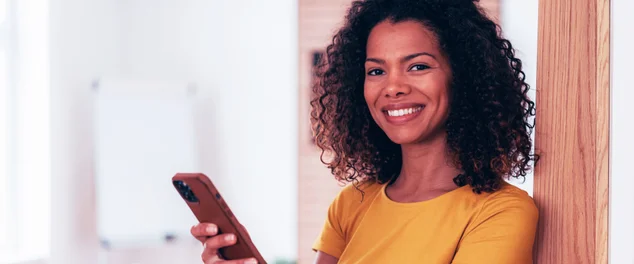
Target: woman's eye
column 375, row 72
column 419, row 67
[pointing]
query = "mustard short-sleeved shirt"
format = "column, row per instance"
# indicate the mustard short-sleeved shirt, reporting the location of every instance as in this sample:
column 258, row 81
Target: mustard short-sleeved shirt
column 458, row 227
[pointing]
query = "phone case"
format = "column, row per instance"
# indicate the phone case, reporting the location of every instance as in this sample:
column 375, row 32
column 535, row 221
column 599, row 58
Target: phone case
column 204, row 200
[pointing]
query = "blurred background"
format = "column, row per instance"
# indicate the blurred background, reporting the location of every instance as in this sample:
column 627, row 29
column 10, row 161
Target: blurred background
column 103, row 101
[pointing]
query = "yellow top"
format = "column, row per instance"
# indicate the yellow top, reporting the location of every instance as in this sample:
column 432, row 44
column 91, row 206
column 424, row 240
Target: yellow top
column 459, row 227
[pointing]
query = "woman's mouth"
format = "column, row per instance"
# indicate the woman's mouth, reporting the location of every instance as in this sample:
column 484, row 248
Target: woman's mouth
column 405, row 111
column 402, row 115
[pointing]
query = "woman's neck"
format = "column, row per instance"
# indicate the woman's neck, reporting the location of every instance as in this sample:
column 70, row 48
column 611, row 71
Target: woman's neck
column 426, row 168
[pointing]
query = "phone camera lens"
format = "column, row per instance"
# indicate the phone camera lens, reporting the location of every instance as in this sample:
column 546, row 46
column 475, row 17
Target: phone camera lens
column 185, row 191
column 191, row 197
column 217, row 196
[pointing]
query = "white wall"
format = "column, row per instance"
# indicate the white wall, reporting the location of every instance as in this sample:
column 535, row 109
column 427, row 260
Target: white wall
column 32, row 135
column 81, row 47
column 519, row 25
column 248, row 56
column 245, row 50
column 621, row 194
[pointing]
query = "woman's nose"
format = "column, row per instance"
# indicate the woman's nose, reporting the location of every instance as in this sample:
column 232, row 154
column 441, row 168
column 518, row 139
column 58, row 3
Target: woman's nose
column 396, row 87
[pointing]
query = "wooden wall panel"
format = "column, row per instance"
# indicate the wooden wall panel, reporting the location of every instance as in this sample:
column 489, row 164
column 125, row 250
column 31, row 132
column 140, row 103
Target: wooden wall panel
column 572, row 130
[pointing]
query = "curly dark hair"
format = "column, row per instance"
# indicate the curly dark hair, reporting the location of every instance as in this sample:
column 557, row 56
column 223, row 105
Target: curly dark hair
column 488, row 127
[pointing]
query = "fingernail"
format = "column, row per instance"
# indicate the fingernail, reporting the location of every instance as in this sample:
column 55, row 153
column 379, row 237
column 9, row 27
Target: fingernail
column 212, row 229
column 230, row 237
column 251, row 261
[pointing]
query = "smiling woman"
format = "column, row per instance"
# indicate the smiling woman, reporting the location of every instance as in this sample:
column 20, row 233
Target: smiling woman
column 411, row 102
column 423, row 106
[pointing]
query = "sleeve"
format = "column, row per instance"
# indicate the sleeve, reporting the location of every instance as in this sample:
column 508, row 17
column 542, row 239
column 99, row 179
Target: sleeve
column 331, row 240
column 502, row 233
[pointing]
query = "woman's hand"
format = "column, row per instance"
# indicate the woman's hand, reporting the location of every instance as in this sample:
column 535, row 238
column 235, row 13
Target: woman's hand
column 206, row 233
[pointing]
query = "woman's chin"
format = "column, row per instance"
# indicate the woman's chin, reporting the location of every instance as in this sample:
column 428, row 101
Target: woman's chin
column 403, row 138
column 406, row 137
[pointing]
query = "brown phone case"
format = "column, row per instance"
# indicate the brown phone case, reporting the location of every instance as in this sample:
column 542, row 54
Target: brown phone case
column 204, row 200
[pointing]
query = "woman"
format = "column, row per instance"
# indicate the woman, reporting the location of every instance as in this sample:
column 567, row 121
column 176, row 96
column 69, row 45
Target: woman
column 424, row 108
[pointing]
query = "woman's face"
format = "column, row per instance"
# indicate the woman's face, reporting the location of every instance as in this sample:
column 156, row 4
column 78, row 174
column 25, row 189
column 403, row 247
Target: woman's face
column 406, row 82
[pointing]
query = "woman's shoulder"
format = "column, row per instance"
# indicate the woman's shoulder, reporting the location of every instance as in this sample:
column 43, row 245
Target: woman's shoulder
column 355, row 198
column 351, row 202
column 513, row 194
column 358, row 192
column 509, row 201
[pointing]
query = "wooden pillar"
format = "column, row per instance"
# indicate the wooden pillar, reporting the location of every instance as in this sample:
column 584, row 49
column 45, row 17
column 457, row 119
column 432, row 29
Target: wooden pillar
column 572, row 131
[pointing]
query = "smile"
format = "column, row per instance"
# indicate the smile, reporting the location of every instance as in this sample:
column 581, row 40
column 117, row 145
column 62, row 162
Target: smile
column 403, row 112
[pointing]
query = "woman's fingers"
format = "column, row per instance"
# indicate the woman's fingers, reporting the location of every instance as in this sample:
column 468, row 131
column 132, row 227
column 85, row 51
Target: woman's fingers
column 203, row 231
column 207, row 233
column 214, row 243
column 237, row 261
column 212, row 260
column 220, row 241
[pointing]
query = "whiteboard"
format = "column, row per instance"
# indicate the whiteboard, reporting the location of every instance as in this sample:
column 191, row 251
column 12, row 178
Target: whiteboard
column 144, row 134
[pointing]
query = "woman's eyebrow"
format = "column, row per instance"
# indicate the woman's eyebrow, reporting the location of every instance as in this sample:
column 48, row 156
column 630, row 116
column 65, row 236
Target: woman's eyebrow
column 404, row 59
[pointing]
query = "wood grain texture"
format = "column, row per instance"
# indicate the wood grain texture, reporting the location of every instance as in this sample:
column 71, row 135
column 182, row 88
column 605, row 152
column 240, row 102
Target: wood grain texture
column 571, row 179
column 602, row 131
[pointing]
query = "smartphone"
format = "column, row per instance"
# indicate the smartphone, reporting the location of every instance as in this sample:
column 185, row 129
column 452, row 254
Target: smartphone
column 204, row 200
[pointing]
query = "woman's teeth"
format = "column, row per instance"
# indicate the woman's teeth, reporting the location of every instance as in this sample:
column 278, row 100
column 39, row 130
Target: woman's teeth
column 402, row 112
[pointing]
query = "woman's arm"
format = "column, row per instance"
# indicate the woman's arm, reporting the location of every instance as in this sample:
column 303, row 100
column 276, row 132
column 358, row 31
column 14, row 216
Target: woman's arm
column 323, row 258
